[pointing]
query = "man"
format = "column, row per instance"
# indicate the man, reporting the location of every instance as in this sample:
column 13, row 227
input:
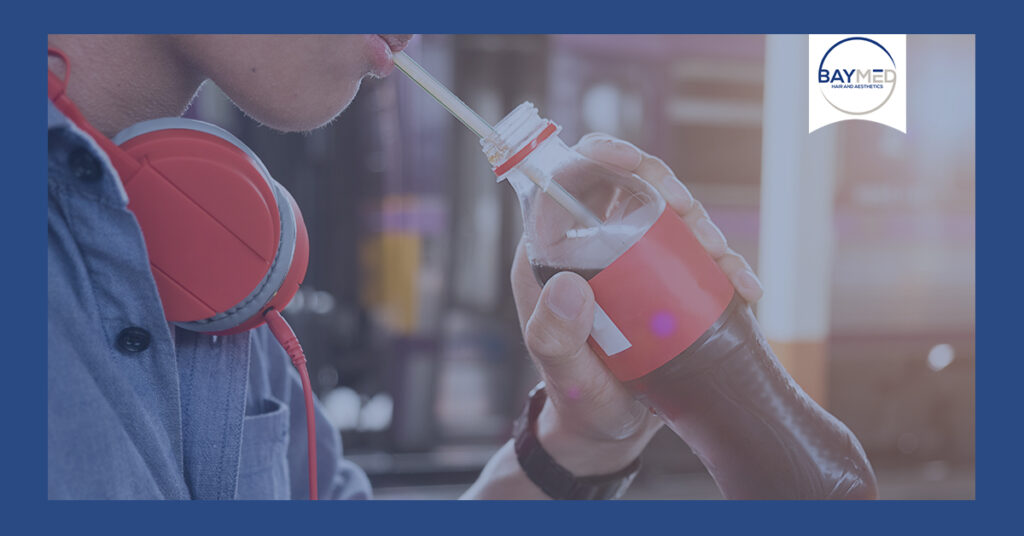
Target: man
column 140, row 409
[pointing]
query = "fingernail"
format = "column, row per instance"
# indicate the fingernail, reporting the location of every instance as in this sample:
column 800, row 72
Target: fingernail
column 749, row 281
column 565, row 299
column 678, row 196
column 708, row 233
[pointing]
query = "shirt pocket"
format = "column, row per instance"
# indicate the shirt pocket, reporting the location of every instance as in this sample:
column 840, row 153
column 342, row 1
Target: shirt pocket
column 263, row 468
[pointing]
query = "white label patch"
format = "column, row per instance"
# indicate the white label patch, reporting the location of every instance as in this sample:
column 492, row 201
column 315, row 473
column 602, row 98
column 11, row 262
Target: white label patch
column 607, row 334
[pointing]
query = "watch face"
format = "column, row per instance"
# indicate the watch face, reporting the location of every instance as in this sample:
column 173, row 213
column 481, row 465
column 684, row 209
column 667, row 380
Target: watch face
column 536, row 388
column 519, row 426
column 622, row 487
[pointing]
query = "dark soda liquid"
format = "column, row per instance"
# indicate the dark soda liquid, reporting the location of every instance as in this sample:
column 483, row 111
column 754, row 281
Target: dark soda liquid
column 755, row 430
column 543, row 273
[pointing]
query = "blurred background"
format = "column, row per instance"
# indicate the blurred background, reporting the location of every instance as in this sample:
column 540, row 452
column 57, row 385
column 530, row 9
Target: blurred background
column 406, row 313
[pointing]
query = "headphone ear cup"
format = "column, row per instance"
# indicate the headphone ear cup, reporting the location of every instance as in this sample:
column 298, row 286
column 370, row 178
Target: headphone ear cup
column 293, row 272
column 283, row 281
column 221, row 234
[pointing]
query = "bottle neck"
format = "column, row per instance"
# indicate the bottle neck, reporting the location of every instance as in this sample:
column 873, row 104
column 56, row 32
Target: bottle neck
column 515, row 137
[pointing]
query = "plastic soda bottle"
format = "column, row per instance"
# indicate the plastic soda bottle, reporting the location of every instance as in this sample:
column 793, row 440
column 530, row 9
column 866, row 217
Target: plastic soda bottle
column 669, row 324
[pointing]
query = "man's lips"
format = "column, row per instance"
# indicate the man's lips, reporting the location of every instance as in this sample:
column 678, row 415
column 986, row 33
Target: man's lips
column 396, row 42
column 382, row 48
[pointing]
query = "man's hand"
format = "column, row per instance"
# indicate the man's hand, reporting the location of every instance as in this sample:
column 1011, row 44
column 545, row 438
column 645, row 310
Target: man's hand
column 591, row 423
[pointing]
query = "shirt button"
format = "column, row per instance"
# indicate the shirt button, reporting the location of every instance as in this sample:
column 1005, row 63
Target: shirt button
column 84, row 165
column 133, row 340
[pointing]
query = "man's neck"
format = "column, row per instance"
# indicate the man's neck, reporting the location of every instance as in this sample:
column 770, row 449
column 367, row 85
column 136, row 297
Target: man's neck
column 119, row 80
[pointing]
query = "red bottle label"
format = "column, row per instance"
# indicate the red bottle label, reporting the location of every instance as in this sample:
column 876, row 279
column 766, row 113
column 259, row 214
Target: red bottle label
column 656, row 299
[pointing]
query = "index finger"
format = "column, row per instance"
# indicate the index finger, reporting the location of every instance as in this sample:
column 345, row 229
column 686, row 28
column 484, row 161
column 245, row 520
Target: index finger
column 629, row 157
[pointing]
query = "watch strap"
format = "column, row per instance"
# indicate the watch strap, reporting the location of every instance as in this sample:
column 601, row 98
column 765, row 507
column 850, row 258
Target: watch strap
column 551, row 477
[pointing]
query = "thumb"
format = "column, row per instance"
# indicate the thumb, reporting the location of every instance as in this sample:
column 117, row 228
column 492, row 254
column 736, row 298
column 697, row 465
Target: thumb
column 560, row 324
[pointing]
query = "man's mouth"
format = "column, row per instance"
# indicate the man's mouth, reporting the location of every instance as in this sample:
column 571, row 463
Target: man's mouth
column 396, row 42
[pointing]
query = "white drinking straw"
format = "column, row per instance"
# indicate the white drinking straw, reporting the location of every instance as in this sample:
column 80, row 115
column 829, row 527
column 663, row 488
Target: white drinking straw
column 483, row 129
column 436, row 89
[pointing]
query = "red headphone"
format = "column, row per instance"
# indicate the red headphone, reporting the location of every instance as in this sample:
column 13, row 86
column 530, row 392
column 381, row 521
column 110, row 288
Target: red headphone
column 226, row 242
column 227, row 245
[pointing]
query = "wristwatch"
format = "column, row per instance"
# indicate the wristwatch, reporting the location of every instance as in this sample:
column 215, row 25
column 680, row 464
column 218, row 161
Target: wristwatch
column 553, row 479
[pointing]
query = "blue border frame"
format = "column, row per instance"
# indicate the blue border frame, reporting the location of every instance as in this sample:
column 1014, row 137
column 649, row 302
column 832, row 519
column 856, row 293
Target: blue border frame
column 998, row 290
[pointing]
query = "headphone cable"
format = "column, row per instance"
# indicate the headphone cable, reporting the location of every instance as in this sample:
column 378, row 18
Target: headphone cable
column 284, row 335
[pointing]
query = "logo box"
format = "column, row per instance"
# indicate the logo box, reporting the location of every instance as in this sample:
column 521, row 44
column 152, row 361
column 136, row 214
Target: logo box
column 857, row 77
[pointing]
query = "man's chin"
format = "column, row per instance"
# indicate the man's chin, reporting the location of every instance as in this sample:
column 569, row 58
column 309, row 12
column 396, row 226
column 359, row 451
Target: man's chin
column 304, row 118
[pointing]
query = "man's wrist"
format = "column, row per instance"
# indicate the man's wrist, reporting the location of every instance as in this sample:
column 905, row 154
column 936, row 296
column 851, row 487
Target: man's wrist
column 581, row 455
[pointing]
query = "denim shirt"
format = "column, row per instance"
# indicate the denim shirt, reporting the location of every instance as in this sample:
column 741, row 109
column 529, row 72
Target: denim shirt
column 139, row 409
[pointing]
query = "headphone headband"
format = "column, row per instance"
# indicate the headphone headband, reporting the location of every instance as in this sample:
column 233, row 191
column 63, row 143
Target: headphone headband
column 125, row 165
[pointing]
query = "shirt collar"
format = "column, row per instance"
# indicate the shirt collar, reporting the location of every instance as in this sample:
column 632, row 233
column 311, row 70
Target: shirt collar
column 55, row 119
